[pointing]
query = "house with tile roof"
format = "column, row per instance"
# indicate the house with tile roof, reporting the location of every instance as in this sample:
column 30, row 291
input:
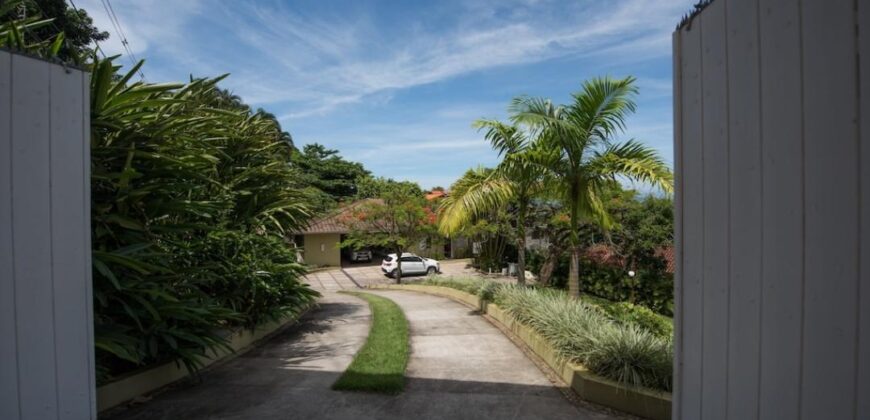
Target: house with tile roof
column 321, row 240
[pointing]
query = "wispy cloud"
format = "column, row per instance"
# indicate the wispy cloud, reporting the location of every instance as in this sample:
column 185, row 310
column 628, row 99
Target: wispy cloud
column 319, row 63
column 330, row 72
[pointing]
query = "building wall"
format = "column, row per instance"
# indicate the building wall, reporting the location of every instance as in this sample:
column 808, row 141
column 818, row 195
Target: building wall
column 772, row 157
column 46, row 325
column 321, row 249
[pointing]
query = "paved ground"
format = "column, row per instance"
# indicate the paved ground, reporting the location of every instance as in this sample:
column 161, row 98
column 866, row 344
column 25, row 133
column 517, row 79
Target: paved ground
column 371, row 274
column 329, row 280
column 461, row 367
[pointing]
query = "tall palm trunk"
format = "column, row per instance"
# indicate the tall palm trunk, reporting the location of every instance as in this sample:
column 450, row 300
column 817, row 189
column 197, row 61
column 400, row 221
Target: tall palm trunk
column 521, row 243
column 574, row 273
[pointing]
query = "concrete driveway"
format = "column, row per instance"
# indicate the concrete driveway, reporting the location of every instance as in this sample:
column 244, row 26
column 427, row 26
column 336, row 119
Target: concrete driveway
column 461, row 367
column 330, row 280
column 366, row 275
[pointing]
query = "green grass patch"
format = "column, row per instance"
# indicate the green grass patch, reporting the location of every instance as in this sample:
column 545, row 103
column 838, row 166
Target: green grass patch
column 380, row 365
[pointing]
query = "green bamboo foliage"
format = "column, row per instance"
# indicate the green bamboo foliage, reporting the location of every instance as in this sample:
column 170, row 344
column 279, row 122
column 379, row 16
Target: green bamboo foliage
column 191, row 199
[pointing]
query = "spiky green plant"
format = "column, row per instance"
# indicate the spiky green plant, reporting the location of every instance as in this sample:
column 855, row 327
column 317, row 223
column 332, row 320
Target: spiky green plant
column 190, row 204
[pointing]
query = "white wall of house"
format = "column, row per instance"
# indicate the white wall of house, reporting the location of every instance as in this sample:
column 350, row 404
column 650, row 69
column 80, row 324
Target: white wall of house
column 46, row 326
column 772, row 145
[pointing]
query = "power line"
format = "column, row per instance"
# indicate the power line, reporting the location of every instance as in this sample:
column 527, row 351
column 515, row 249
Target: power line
column 110, row 11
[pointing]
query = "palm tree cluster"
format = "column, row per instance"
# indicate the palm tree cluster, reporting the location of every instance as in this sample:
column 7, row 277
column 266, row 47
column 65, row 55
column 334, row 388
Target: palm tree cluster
column 562, row 153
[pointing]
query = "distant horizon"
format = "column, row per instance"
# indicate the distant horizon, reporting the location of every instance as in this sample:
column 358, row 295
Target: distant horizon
column 396, row 87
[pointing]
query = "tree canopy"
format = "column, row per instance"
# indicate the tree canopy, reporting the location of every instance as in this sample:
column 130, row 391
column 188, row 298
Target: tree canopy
column 78, row 28
column 327, row 171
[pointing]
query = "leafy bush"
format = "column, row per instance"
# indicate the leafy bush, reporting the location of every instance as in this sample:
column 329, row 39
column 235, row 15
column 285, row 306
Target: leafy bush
column 641, row 316
column 192, row 194
column 651, row 287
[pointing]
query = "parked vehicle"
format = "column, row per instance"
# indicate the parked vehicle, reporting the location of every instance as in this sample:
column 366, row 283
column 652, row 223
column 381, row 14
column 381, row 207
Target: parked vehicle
column 411, row 265
column 361, row 255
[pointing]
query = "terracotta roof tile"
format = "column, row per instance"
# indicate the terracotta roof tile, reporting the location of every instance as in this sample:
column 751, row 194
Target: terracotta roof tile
column 333, row 223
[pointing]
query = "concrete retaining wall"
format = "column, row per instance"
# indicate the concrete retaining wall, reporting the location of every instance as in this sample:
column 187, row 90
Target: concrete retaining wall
column 143, row 382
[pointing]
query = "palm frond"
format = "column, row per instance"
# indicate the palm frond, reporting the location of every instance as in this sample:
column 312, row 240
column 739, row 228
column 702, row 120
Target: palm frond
column 634, row 161
column 479, row 191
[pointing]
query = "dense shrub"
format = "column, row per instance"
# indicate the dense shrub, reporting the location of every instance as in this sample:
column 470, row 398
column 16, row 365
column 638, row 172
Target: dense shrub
column 629, row 346
column 628, row 313
column 651, row 287
column 192, row 195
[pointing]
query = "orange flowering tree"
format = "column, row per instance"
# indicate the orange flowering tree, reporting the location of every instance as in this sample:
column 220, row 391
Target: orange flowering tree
column 399, row 217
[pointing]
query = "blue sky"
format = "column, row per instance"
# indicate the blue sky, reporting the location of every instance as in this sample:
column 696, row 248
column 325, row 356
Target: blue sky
column 396, row 84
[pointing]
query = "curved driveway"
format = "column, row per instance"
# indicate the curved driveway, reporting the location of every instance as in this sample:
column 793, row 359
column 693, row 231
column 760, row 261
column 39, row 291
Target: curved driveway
column 461, row 367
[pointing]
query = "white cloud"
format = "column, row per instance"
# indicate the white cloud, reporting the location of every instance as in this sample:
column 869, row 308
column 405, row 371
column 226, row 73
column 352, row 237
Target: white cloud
column 316, row 64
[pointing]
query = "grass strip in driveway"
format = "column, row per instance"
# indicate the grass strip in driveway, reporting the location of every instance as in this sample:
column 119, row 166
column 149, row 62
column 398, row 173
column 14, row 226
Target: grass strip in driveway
column 380, row 365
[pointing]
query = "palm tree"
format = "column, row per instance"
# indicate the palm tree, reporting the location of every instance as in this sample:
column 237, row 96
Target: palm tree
column 580, row 155
column 516, row 179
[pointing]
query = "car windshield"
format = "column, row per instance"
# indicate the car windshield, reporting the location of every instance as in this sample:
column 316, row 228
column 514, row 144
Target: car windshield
column 388, row 258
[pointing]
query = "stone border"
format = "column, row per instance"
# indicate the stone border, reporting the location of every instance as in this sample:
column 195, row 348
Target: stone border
column 139, row 383
column 642, row 402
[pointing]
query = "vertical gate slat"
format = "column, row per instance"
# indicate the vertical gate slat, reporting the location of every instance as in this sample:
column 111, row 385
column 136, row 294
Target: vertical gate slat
column 831, row 209
column 32, row 235
column 86, row 238
column 692, row 223
column 715, row 204
column 863, row 352
column 678, row 224
column 67, row 214
column 744, row 158
column 782, row 209
column 8, row 344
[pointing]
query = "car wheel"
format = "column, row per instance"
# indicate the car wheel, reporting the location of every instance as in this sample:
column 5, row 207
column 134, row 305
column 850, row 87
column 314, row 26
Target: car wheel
column 430, row 271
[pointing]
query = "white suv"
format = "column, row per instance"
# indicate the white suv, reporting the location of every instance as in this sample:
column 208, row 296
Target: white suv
column 361, row 255
column 411, row 264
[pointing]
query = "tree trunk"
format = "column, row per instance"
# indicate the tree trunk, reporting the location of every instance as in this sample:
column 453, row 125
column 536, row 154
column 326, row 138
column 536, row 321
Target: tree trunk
column 521, row 244
column 398, row 265
column 521, row 262
column 549, row 266
column 574, row 273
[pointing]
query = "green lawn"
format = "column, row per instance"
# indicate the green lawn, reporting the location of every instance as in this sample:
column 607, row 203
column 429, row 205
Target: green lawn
column 380, row 365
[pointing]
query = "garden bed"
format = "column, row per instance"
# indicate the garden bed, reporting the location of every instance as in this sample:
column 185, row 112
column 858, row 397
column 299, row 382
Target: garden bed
column 640, row 401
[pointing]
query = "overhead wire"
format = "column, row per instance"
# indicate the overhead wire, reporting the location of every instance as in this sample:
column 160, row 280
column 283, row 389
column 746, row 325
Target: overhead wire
column 119, row 30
